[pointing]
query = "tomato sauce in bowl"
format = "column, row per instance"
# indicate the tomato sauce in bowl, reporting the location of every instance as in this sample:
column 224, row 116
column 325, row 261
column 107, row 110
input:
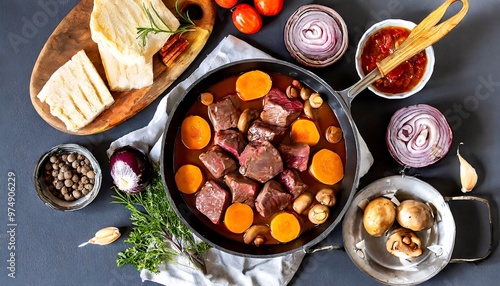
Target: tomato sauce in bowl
column 383, row 43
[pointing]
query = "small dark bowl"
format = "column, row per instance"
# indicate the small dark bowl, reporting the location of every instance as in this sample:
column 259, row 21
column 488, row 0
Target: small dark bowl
column 46, row 195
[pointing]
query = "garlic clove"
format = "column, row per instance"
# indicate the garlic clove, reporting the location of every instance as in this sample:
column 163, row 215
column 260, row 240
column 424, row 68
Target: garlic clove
column 468, row 175
column 104, row 236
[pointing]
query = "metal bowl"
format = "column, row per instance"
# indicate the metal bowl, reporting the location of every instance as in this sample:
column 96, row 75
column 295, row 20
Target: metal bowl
column 369, row 253
column 46, row 195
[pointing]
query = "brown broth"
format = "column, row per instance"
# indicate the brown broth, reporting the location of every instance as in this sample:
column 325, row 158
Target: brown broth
column 226, row 87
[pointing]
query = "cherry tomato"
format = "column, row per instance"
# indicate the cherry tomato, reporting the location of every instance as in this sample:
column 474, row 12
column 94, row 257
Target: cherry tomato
column 226, row 3
column 268, row 7
column 246, row 19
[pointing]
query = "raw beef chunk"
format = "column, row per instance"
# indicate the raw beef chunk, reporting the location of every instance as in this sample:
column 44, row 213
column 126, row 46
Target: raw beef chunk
column 212, row 201
column 243, row 189
column 279, row 109
column 218, row 162
column 295, row 155
column 224, row 113
column 260, row 130
column 272, row 199
column 292, row 182
column 230, row 140
column 260, row 161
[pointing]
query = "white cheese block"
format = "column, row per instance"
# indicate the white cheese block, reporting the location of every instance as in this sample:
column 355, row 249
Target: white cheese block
column 102, row 95
column 122, row 76
column 113, row 25
column 76, row 93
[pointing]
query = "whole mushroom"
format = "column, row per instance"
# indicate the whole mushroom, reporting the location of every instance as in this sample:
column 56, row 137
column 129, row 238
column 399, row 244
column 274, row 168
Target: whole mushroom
column 256, row 234
column 414, row 215
column 318, row 214
column 404, row 243
column 378, row 216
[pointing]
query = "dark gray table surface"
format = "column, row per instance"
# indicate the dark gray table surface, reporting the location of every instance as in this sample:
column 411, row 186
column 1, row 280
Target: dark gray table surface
column 465, row 86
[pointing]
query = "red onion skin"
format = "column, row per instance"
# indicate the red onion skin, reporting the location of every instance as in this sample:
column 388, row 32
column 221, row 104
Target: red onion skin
column 125, row 160
column 418, row 136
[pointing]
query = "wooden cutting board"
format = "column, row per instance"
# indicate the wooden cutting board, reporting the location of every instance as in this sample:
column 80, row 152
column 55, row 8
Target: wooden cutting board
column 73, row 34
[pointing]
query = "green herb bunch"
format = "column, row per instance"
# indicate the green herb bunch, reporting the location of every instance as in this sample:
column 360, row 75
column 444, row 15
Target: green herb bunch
column 187, row 24
column 155, row 223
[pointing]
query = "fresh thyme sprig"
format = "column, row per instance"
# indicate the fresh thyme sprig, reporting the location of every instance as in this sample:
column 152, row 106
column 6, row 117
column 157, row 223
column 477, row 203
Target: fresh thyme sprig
column 154, row 224
column 187, row 24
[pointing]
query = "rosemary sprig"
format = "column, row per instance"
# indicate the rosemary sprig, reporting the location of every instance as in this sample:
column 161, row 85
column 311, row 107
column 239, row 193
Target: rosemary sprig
column 186, row 24
column 154, row 224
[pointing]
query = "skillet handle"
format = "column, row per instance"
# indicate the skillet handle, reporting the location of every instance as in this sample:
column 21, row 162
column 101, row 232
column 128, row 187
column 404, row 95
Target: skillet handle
column 423, row 35
column 484, row 201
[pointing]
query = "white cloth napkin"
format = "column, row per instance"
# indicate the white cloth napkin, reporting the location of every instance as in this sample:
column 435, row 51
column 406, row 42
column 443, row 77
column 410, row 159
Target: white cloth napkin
column 222, row 268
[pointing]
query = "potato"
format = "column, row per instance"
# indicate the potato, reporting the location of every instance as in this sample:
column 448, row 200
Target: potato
column 414, row 215
column 379, row 215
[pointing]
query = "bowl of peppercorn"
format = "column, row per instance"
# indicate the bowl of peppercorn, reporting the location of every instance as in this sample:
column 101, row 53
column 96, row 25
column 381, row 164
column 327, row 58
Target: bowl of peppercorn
column 67, row 177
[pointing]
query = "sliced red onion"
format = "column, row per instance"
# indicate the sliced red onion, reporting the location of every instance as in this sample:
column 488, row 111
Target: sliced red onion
column 418, row 136
column 316, row 35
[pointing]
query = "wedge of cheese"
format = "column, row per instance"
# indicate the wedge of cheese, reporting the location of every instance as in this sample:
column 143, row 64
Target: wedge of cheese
column 123, row 76
column 113, row 25
column 75, row 93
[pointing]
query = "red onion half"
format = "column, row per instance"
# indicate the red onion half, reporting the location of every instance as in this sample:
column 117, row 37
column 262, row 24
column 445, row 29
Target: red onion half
column 316, row 35
column 130, row 169
column 418, row 136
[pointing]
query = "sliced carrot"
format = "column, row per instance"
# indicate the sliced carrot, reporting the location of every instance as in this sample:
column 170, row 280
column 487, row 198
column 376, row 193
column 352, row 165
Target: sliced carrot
column 285, row 227
column 253, row 84
column 238, row 217
column 326, row 167
column 305, row 131
column 206, row 98
column 189, row 178
column 195, row 132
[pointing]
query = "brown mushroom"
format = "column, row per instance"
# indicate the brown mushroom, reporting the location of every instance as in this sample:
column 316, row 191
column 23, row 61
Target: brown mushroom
column 333, row 134
column 326, row 197
column 256, row 234
column 246, row 117
column 309, row 111
column 414, row 215
column 379, row 216
column 292, row 92
column 318, row 214
column 305, row 93
column 315, row 100
column 302, row 202
column 404, row 243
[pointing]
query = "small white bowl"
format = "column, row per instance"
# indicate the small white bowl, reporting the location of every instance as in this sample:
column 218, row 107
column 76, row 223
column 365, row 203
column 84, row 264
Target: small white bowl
column 429, row 53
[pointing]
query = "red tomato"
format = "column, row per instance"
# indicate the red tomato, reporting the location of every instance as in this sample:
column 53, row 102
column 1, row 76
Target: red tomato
column 226, row 3
column 246, row 19
column 268, row 7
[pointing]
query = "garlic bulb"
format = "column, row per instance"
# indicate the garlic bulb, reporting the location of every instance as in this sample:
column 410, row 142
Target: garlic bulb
column 468, row 175
column 104, row 236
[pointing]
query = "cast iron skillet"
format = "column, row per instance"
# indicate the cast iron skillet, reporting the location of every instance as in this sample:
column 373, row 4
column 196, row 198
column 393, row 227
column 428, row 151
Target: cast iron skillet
column 198, row 224
column 427, row 32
